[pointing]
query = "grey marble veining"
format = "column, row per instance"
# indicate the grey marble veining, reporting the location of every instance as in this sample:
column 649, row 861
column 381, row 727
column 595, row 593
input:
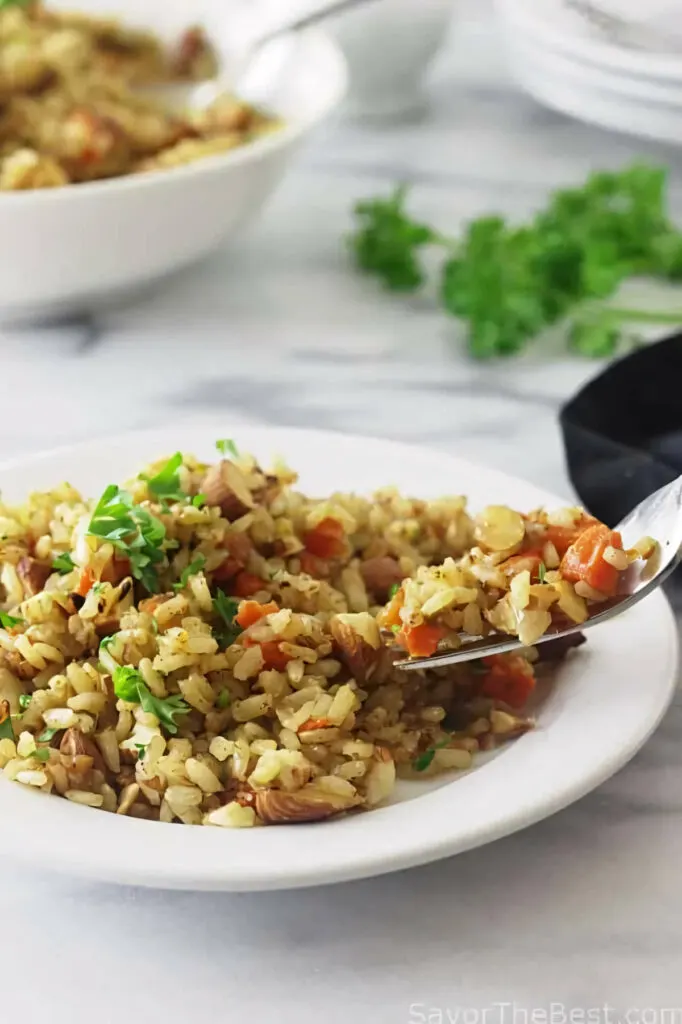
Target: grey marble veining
column 582, row 910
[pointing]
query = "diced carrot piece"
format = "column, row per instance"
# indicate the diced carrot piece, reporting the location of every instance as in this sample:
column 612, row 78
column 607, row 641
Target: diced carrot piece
column 86, row 582
column 390, row 616
column 312, row 565
column 246, row 584
column 250, row 612
column 563, row 536
column 584, row 560
column 509, row 679
column 314, row 723
column 327, row 540
column 531, row 561
column 273, row 657
column 420, row 641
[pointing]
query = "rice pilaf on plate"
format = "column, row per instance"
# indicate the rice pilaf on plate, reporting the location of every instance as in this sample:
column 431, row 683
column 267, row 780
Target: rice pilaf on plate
column 210, row 646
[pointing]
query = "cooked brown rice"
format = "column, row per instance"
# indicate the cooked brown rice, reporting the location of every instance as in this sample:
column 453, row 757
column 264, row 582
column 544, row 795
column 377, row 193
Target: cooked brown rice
column 204, row 646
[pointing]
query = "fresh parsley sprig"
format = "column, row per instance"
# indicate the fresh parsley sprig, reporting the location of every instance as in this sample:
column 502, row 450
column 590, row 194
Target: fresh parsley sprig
column 191, row 570
column 64, row 563
column 166, row 484
column 225, row 609
column 424, row 760
column 508, row 283
column 133, row 530
column 10, row 621
column 130, row 686
column 226, row 446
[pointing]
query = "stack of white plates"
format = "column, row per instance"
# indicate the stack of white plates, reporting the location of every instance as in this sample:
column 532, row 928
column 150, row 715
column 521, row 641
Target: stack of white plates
column 609, row 62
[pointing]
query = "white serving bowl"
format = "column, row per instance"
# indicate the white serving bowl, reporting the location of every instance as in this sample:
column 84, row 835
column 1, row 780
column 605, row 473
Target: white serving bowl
column 69, row 249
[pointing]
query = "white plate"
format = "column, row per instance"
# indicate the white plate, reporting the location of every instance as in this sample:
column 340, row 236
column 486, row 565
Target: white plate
column 608, row 700
column 557, row 25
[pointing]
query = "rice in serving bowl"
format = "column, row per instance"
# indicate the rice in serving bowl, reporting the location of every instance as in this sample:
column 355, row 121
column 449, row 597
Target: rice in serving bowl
column 202, row 646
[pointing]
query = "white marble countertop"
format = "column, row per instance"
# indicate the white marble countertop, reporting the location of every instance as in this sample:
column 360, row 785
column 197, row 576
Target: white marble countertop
column 581, row 913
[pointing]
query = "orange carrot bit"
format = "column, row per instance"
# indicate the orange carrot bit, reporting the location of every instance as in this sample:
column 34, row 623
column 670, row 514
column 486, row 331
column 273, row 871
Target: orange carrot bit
column 273, row 657
column 250, row 612
column 390, row 616
column 327, row 539
column 531, row 560
column 509, row 679
column 563, row 536
column 314, row 723
column 420, row 641
column 85, row 583
column 246, row 584
column 584, row 560
column 313, row 566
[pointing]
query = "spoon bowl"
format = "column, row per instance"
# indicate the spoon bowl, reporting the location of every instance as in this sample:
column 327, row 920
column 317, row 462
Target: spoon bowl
column 659, row 516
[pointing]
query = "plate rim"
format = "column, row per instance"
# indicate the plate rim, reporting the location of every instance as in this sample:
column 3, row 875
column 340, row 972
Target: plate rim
column 132, row 833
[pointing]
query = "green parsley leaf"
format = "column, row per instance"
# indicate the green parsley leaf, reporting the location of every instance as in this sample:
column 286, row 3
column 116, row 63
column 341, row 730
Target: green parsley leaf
column 126, row 681
column 64, row 563
column 224, row 700
column 24, row 700
column 226, row 609
column 41, row 754
column 130, row 686
column 199, row 500
column 508, row 283
column 46, row 735
column 6, row 728
column 166, row 484
column 227, row 447
column 140, row 748
column 191, row 570
column 106, row 641
column 165, row 710
column 133, row 530
column 393, row 590
column 9, row 621
column 387, row 242
column 421, row 763
column 542, row 572
column 395, row 629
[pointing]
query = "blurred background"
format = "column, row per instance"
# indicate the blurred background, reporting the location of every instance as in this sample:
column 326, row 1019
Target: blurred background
column 480, row 108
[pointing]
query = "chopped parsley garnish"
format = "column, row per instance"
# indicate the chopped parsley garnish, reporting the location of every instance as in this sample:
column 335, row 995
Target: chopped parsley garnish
column 542, row 572
column 6, row 730
column 192, row 569
column 133, row 530
column 24, row 700
column 130, row 686
column 140, row 748
column 224, row 700
column 227, row 447
column 41, row 754
column 46, row 735
column 421, row 763
column 64, row 563
column 9, row 621
column 393, row 590
column 166, row 484
column 199, row 500
column 226, row 609
column 106, row 642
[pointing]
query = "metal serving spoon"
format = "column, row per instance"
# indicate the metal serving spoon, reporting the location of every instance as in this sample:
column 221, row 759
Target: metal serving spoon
column 198, row 95
column 658, row 516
